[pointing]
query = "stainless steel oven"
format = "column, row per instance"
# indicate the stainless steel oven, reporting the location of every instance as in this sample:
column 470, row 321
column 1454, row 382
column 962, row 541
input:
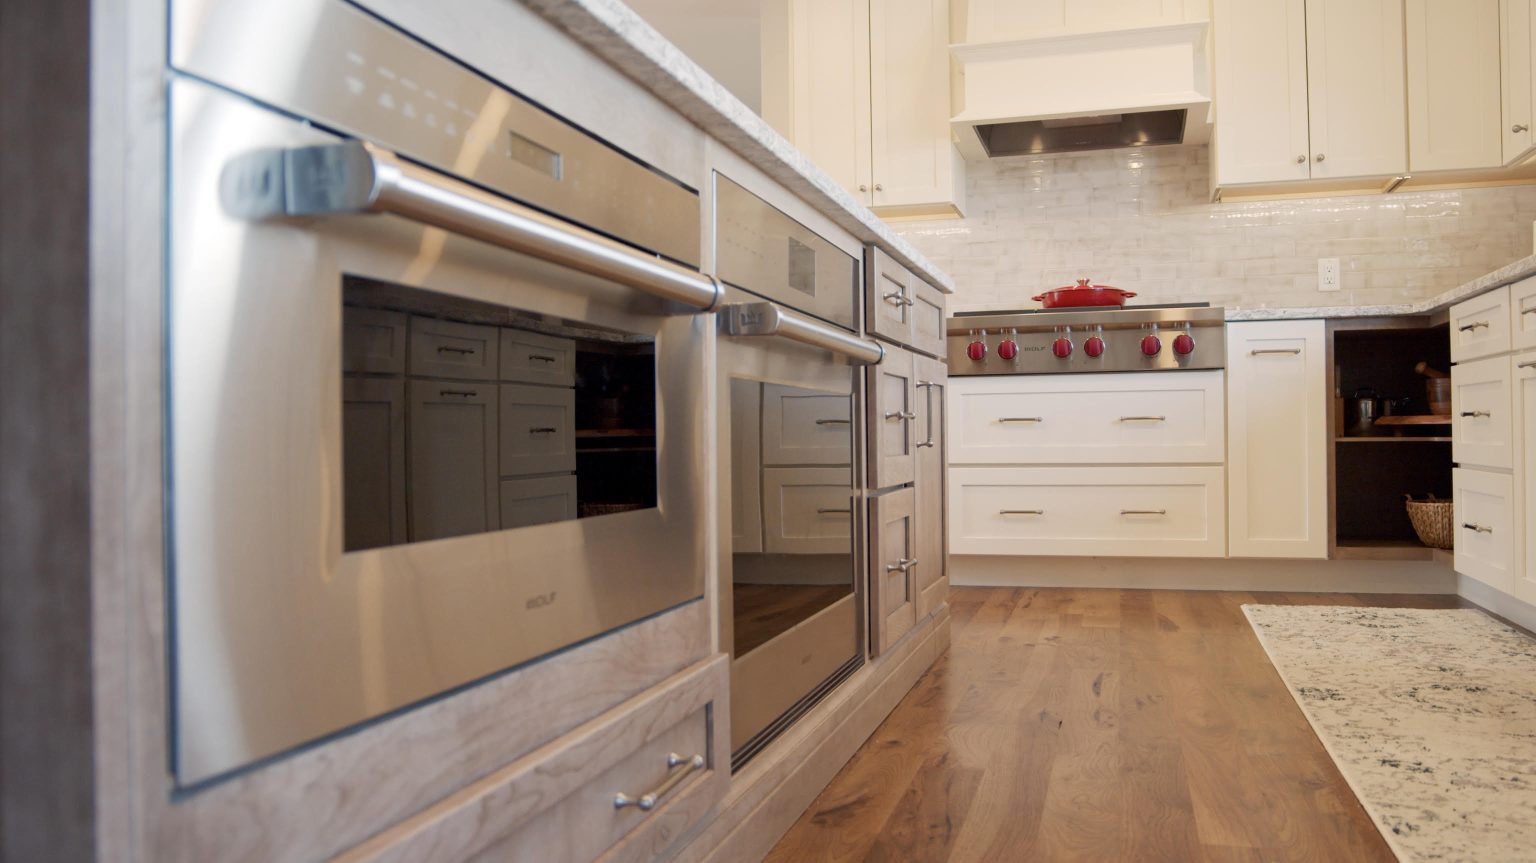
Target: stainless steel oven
column 436, row 398
column 789, row 430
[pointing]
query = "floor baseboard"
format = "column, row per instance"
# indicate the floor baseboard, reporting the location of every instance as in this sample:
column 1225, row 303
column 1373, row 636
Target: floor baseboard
column 1311, row 576
column 1520, row 613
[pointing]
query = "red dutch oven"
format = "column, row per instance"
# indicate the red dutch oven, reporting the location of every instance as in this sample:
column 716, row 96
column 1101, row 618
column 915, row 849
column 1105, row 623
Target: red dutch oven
column 1083, row 294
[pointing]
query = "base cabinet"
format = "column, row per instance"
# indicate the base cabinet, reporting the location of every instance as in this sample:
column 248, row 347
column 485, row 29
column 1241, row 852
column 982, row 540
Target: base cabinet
column 1485, row 527
column 1524, row 395
column 893, row 560
column 931, row 576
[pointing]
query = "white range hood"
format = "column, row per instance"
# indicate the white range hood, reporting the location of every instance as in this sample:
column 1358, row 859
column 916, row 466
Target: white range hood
column 1084, row 91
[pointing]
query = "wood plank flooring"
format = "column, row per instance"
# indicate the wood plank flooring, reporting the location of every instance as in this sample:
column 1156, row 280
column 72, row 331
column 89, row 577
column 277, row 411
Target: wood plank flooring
column 1096, row 725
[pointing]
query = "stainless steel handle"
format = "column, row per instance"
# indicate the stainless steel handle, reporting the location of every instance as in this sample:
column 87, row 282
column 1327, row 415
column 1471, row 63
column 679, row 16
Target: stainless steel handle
column 463, row 394
column 901, row 565
column 1268, row 351
column 1143, row 512
column 541, row 358
column 768, row 319
column 542, row 430
column 1519, row 127
column 895, row 298
column 898, row 416
column 450, row 349
column 1301, row 160
column 927, row 388
column 827, row 511
column 358, row 177
column 833, row 422
column 921, row 444
column 1472, row 326
column 926, row 384
column 1319, row 157
column 1529, row 311
column 1021, row 419
column 1526, row 365
column 647, row 801
column 1477, row 527
column 1476, row 414
column 1143, row 419
column 1021, row 512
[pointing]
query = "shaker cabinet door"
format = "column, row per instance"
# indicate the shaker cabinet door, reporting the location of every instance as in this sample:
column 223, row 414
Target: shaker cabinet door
column 1355, row 88
column 452, row 446
column 1524, row 394
column 1454, row 104
column 373, row 469
column 893, row 561
column 1261, row 68
column 893, row 435
column 931, row 574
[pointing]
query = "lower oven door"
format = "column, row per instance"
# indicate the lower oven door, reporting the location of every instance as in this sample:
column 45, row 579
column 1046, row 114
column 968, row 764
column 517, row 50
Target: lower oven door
column 789, row 463
column 402, row 460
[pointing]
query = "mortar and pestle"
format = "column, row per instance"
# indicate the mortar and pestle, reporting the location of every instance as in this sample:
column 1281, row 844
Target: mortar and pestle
column 1437, row 389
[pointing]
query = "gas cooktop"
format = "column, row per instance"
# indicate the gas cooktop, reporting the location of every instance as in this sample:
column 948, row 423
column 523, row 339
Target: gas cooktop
column 1179, row 337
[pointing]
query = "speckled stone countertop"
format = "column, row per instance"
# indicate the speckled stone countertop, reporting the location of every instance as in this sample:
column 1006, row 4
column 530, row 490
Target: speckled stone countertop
column 1502, row 276
column 615, row 33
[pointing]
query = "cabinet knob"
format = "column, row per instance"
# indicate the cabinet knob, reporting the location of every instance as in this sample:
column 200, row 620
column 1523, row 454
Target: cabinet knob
column 1519, row 127
column 863, row 188
column 1320, row 157
column 1301, row 160
column 879, row 188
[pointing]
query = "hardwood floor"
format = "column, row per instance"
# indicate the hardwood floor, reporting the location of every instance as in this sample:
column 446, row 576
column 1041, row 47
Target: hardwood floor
column 1096, row 725
column 762, row 611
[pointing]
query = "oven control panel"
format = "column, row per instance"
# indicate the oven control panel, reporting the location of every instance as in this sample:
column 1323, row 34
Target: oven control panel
column 1087, row 341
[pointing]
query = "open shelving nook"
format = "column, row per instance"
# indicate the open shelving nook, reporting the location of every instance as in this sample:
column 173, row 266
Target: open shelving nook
column 1369, row 471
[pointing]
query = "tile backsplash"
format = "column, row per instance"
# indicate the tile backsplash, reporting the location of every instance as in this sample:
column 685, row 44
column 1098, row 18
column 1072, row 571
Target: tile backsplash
column 1141, row 220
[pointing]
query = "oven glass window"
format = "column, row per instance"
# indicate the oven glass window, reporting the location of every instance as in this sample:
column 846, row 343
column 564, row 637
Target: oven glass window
column 791, row 508
column 461, row 417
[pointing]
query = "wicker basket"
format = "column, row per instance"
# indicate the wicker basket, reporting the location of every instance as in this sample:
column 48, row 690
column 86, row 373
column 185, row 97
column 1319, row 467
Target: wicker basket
column 1433, row 520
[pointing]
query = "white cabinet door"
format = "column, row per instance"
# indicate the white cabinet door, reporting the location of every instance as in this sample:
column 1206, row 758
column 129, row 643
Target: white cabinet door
column 451, row 440
column 1454, row 106
column 1355, row 87
column 373, row 471
column 1485, row 540
column 1522, row 314
column 931, row 574
column 914, row 162
column 1277, row 439
column 892, row 557
column 1515, row 77
column 1481, row 426
column 1524, row 393
column 1261, row 88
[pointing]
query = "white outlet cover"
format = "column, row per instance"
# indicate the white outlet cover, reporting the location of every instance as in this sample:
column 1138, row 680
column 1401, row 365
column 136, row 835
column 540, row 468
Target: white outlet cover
column 1328, row 275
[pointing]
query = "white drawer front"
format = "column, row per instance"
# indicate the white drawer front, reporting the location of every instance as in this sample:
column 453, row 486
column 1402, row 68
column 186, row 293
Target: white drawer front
column 1522, row 310
column 802, row 426
column 537, row 359
column 539, row 500
column 1480, row 326
column 538, row 429
column 1524, row 393
column 449, row 349
column 1108, row 511
column 373, row 340
column 1485, row 539
column 1481, row 426
column 1173, row 417
column 807, row 510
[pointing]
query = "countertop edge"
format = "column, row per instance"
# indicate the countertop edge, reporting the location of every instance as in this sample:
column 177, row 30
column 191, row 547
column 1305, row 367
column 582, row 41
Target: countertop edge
column 625, row 41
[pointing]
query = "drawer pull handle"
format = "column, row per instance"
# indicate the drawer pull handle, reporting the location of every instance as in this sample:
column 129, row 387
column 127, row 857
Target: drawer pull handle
column 1529, row 311
column 926, row 384
column 1269, row 351
column 1477, row 527
column 1476, row 414
column 463, row 394
column 543, row 430
column 898, row 416
column 541, row 358
column 901, row 565
column 1530, row 364
column 1143, row 419
column 1021, row 419
column 450, row 349
column 829, row 511
column 647, row 801
column 833, row 422
column 1472, row 326
column 921, row 444
column 896, row 299
column 1021, row 512
column 1143, row 512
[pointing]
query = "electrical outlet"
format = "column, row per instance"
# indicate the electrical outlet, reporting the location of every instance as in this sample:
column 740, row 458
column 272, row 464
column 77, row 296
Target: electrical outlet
column 1327, row 274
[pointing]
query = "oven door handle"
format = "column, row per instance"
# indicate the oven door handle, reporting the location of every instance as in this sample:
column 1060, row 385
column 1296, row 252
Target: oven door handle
column 769, row 319
column 359, row 177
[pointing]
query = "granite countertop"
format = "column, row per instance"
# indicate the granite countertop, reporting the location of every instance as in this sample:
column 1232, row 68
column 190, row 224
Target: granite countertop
column 615, row 33
column 1502, row 276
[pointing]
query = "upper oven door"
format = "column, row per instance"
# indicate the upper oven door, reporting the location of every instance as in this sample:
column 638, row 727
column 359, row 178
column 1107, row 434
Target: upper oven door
column 402, row 460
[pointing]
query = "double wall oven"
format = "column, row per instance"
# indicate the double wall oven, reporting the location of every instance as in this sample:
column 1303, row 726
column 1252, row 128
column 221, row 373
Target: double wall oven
column 790, row 429
column 436, row 390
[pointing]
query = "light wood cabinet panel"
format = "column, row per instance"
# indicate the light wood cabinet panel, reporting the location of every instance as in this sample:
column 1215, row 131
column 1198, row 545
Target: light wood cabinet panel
column 1522, row 315
column 888, row 298
column 451, row 439
column 373, row 493
column 928, row 311
column 449, row 349
column 1515, row 78
column 1524, row 394
column 538, row 500
column 892, row 434
column 803, row 427
column 931, row 574
column 1454, row 104
column 1260, row 54
column 1480, row 327
column 1484, row 523
column 893, row 556
column 1277, row 439
column 538, row 429
column 745, row 481
column 1355, row 87
column 807, row 510
column 1481, row 425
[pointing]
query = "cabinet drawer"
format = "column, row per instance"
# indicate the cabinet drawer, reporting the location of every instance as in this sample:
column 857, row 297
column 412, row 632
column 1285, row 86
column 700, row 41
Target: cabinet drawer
column 807, row 510
column 538, row 429
column 1485, row 539
column 539, row 500
column 1522, row 310
column 888, row 298
column 1112, row 511
column 1174, row 417
column 802, row 426
column 559, row 802
column 537, row 359
column 1481, row 427
column 927, row 312
column 1480, row 326
column 893, row 436
column 449, row 349
column 373, row 340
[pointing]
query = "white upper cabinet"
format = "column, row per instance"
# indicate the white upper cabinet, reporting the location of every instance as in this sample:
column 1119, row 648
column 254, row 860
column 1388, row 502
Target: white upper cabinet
column 1454, row 110
column 1000, row 20
column 1355, row 87
column 1261, row 92
column 862, row 88
column 1515, row 40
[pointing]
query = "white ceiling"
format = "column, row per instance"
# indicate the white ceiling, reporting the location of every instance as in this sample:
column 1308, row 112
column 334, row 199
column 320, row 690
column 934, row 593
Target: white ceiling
column 722, row 36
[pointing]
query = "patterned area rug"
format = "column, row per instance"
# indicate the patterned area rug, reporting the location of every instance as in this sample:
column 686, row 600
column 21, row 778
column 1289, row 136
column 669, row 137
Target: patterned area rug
column 1430, row 714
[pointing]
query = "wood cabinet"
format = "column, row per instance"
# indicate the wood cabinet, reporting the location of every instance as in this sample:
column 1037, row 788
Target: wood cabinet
column 931, row 574
column 1454, row 105
column 893, row 556
column 452, row 443
column 1277, row 439
column 903, row 308
column 806, row 510
column 1308, row 89
column 1515, row 78
column 862, row 88
column 892, row 431
column 373, row 425
column 806, row 427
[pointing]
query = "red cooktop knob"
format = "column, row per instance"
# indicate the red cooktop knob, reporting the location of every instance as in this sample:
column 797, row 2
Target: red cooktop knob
column 1183, row 344
column 1151, row 346
column 1007, row 349
column 1062, row 348
column 976, row 350
column 1094, row 347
